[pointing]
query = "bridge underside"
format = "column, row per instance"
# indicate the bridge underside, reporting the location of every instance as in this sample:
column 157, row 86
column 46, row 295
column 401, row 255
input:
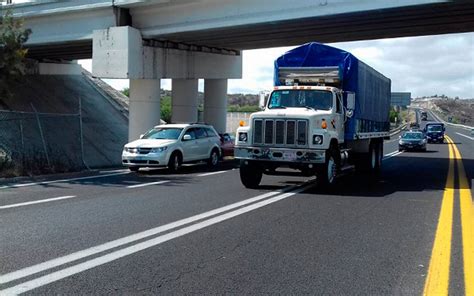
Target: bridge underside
column 433, row 19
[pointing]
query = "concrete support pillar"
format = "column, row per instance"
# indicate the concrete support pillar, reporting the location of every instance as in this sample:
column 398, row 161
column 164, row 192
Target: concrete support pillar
column 215, row 103
column 144, row 106
column 185, row 100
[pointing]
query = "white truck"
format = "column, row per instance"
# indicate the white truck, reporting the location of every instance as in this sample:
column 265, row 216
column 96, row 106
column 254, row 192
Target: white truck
column 328, row 113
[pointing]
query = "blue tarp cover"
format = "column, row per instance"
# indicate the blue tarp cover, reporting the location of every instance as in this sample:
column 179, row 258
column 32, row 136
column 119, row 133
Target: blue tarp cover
column 372, row 89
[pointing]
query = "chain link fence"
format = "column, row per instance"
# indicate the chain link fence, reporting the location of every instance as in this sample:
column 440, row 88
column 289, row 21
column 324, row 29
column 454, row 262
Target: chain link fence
column 35, row 143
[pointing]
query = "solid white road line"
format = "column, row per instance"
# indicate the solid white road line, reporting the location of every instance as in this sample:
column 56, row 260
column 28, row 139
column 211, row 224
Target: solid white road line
column 213, row 173
column 392, row 155
column 388, row 154
column 113, row 171
column 35, row 202
column 61, row 181
column 75, row 269
column 466, row 136
column 147, row 184
column 15, row 275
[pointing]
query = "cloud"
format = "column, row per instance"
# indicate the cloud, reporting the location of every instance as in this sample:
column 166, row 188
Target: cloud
column 425, row 65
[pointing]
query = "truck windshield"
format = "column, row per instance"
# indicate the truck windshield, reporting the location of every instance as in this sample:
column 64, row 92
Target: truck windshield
column 299, row 98
column 163, row 133
column 435, row 128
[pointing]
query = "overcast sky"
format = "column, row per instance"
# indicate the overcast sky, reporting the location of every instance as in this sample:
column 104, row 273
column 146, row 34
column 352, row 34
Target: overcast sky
column 424, row 66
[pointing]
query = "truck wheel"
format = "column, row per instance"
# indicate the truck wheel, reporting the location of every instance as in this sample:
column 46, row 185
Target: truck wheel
column 326, row 174
column 250, row 174
column 375, row 157
column 371, row 162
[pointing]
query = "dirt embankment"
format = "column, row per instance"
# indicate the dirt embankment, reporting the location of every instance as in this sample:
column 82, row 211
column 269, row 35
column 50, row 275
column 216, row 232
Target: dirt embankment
column 455, row 110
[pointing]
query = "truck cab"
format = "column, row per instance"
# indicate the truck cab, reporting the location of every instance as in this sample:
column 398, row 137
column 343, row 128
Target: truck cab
column 312, row 121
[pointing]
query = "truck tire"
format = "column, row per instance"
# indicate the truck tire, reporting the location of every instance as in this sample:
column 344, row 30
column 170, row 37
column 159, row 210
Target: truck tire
column 375, row 157
column 326, row 174
column 250, row 174
column 371, row 162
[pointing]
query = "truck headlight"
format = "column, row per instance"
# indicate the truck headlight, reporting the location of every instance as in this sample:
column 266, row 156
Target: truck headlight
column 317, row 139
column 243, row 137
column 159, row 149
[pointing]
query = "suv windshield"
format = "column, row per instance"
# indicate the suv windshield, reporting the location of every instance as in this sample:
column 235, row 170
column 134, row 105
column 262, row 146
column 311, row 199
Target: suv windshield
column 163, row 133
column 316, row 99
column 412, row 136
column 434, row 128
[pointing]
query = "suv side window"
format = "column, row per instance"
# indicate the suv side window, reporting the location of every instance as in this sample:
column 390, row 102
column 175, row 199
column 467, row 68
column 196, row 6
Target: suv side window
column 191, row 133
column 200, row 133
column 210, row 132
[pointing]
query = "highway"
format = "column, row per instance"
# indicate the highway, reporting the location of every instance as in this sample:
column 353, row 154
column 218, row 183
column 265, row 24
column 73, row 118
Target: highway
column 408, row 232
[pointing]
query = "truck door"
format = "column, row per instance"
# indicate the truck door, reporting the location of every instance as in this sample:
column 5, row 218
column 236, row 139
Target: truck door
column 338, row 120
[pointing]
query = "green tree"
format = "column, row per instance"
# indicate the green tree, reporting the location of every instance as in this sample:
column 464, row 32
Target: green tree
column 393, row 115
column 126, row 91
column 12, row 54
column 165, row 108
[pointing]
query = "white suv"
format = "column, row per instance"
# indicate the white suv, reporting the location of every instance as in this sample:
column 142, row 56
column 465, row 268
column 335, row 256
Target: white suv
column 171, row 145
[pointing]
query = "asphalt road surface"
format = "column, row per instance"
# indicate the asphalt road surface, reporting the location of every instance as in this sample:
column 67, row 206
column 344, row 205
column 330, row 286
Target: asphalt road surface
column 409, row 232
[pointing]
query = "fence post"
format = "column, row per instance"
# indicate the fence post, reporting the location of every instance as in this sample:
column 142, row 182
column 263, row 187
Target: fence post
column 23, row 153
column 41, row 133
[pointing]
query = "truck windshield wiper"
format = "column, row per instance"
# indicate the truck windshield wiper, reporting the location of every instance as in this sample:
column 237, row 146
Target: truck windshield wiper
column 278, row 107
column 310, row 108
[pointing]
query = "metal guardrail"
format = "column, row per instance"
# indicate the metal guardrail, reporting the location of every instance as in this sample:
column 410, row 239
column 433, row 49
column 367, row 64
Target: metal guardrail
column 398, row 129
column 450, row 123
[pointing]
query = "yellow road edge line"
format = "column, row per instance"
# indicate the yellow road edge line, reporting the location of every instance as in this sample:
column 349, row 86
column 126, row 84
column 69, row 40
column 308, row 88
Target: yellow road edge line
column 437, row 280
column 467, row 224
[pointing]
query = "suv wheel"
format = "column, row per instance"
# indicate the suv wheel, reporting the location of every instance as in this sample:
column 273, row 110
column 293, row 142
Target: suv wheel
column 214, row 158
column 175, row 162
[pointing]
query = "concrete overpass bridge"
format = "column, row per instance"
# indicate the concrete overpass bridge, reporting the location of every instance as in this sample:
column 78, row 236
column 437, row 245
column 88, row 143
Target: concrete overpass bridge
column 187, row 40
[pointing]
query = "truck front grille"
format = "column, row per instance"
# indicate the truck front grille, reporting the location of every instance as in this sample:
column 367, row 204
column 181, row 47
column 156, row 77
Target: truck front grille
column 280, row 132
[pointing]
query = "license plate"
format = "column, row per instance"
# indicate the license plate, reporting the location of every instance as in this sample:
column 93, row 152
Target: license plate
column 289, row 155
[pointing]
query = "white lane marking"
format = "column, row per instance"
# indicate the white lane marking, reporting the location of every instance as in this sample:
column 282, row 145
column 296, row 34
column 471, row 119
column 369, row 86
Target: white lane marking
column 113, row 171
column 388, row 154
column 15, row 275
column 61, row 181
column 75, row 269
column 35, row 202
column 213, row 173
column 466, row 136
column 148, row 184
column 392, row 155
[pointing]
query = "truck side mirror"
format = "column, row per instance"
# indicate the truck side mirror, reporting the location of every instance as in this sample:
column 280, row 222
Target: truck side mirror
column 141, row 136
column 262, row 102
column 351, row 101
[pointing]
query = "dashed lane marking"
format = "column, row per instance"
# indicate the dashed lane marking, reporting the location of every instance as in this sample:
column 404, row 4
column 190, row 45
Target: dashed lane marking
column 36, row 202
column 148, row 184
column 61, row 181
column 212, row 173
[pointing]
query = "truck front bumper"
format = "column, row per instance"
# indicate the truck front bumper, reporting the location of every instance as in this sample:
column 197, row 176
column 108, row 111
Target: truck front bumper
column 289, row 155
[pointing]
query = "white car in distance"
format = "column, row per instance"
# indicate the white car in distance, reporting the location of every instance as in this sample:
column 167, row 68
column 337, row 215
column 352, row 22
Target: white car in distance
column 171, row 145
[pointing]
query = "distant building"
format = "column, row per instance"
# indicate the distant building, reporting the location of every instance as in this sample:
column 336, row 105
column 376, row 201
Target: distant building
column 400, row 99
